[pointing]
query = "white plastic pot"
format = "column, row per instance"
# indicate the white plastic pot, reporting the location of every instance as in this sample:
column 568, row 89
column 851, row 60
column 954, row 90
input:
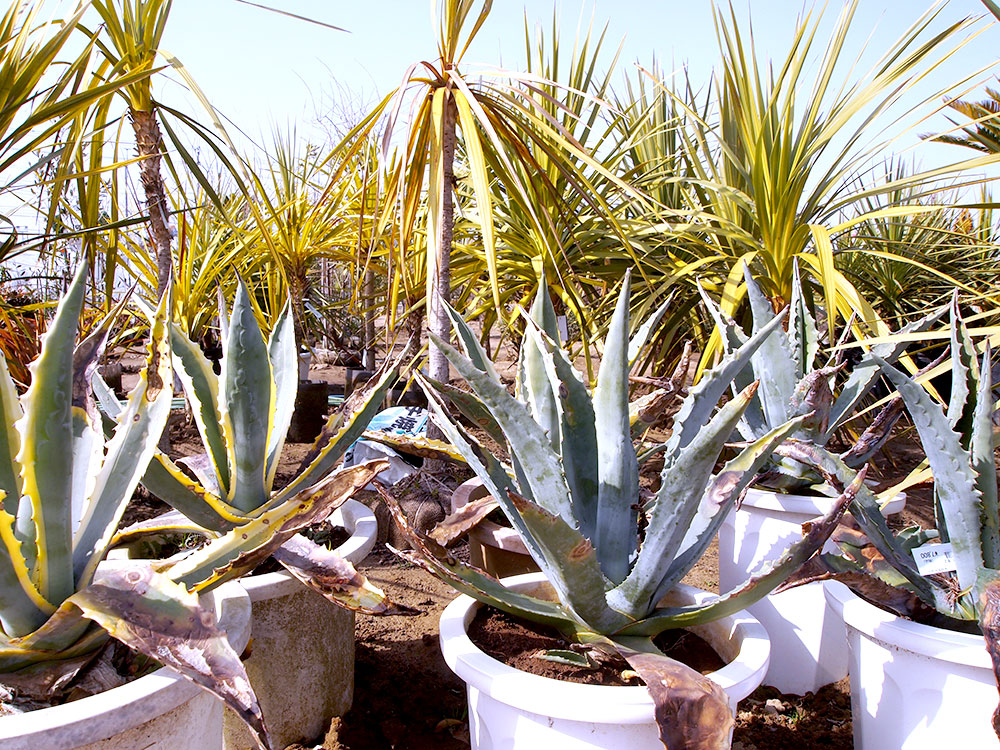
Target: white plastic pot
column 302, row 662
column 161, row 711
column 509, row 708
column 915, row 687
column 813, row 649
column 305, row 361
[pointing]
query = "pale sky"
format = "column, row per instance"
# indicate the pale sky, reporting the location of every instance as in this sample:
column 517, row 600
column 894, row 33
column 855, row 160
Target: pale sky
column 258, row 67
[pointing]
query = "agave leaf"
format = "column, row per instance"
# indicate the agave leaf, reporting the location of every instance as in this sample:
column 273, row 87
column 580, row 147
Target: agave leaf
column 128, row 452
column 691, row 710
column 529, row 444
column 200, row 464
column 469, row 580
column 760, row 582
column 285, row 366
column 578, row 433
column 964, row 375
column 572, row 566
column 326, row 572
column 875, row 435
column 247, row 386
column 984, row 465
column 641, row 337
column 166, row 481
column 470, row 344
column 534, row 383
column 866, row 510
column 242, row 549
column 415, row 445
column 171, row 522
column 618, row 469
column 677, row 499
column 340, row 431
column 64, row 634
column 803, row 336
column 702, row 398
column 157, row 617
column 44, row 522
column 470, row 407
column 772, row 357
column 463, row 519
column 202, row 388
column 989, row 623
column 863, row 375
column 10, row 440
column 22, row 607
column 954, row 479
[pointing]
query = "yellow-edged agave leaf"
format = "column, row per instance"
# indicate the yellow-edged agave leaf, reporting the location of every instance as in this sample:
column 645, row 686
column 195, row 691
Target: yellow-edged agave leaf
column 45, row 526
column 128, row 452
column 160, row 618
column 242, row 549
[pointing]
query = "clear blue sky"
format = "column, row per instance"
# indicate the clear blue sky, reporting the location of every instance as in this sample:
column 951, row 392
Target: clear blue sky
column 259, row 67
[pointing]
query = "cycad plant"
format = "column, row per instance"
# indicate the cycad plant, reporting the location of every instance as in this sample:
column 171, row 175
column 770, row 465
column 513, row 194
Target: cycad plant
column 572, row 493
column 793, row 386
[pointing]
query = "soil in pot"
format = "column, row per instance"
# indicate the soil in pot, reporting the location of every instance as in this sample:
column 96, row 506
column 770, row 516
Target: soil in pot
column 517, row 643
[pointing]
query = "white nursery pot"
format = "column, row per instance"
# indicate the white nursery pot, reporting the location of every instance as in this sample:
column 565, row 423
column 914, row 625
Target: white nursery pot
column 813, row 649
column 161, row 711
column 499, row 550
column 301, row 664
column 305, row 361
column 913, row 686
column 509, row 708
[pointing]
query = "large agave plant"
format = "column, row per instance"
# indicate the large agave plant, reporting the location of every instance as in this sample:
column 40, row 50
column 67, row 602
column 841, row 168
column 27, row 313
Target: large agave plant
column 242, row 416
column 792, row 386
column 64, row 491
column 572, row 492
column 959, row 442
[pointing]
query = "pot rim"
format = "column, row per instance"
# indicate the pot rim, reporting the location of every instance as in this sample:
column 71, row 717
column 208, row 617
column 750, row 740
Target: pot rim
column 354, row 516
column 925, row 640
column 119, row 709
column 805, row 505
column 570, row 700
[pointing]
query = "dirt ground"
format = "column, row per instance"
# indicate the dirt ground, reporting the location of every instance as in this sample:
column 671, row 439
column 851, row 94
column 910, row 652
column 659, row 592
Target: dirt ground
column 406, row 698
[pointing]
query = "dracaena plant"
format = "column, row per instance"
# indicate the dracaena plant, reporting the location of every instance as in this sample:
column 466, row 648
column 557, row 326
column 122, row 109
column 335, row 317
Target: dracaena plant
column 572, row 492
column 242, row 416
column 959, row 442
column 64, row 491
column 792, row 385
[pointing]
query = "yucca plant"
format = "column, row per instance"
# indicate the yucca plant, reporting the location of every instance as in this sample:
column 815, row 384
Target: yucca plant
column 572, row 493
column 64, row 491
column 242, row 416
column 792, row 386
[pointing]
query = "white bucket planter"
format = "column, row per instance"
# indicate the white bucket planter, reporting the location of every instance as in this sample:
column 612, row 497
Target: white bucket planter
column 302, row 662
column 915, row 687
column 813, row 650
column 509, row 708
column 161, row 711
column 305, row 361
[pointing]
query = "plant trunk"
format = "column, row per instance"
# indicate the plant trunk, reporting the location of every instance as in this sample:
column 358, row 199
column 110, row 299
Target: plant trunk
column 149, row 146
column 368, row 347
column 437, row 320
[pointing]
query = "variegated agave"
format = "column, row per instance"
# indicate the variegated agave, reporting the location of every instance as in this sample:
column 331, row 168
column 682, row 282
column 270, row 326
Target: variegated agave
column 64, row 491
column 572, row 493
column 791, row 385
column 242, row 416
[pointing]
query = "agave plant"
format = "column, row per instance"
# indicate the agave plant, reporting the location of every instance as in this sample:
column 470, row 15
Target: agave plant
column 959, row 442
column 242, row 416
column 792, row 386
column 64, row 491
column 572, row 493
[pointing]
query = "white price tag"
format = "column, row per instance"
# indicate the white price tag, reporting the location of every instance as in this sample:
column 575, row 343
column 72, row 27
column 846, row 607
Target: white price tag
column 933, row 558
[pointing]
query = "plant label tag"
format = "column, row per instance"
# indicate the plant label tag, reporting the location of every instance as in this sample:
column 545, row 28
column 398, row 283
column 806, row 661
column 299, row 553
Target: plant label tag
column 933, row 558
